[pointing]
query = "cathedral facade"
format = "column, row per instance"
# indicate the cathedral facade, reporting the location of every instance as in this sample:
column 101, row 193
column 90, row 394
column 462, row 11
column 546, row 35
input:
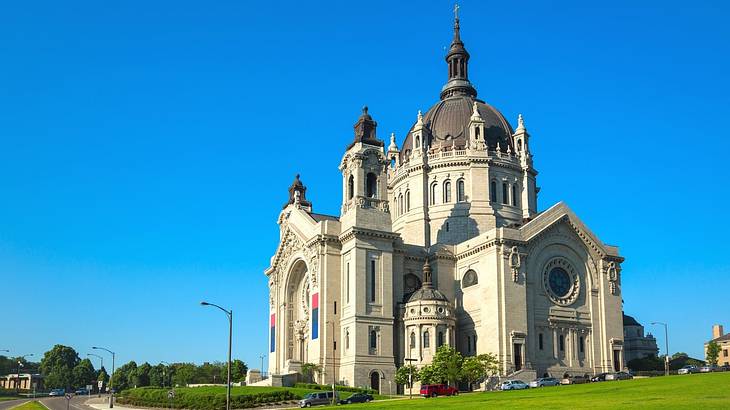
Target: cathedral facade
column 440, row 242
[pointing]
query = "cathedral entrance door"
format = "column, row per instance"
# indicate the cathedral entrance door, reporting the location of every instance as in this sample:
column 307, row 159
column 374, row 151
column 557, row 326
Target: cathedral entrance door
column 617, row 360
column 517, row 352
column 375, row 381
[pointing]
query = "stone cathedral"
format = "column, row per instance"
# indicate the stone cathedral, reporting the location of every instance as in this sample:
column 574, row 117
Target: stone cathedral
column 440, row 242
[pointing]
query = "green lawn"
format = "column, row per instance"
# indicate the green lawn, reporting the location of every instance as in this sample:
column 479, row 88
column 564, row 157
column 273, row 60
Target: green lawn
column 696, row 391
column 31, row 405
column 8, row 398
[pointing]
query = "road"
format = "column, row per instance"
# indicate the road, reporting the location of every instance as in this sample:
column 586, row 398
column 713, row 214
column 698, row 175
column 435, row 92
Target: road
column 59, row 403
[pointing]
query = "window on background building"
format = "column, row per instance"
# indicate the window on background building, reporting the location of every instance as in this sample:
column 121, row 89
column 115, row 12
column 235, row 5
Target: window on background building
column 432, row 198
column 372, row 280
column 724, row 353
column 347, row 285
column 413, row 340
column 460, row 197
column 447, row 192
column 562, row 343
column 581, row 342
column 470, row 279
column 347, row 339
column 371, row 185
column 400, row 204
column 408, row 201
column 493, row 191
column 539, row 341
column 373, row 340
column 514, row 195
column 440, row 339
column 505, row 193
column 426, row 339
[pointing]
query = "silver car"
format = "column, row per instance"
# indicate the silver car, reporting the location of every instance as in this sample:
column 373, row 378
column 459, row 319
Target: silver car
column 514, row 385
column 544, row 381
column 619, row 376
column 319, row 398
column 688, row 369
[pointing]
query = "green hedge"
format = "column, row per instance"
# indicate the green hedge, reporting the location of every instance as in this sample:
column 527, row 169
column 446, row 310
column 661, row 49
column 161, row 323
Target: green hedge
column 7, row 393
column 155, row 397
column 313, row 386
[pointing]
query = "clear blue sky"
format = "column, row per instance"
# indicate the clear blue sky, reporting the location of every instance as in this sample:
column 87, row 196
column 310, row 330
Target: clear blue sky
column 146, row 149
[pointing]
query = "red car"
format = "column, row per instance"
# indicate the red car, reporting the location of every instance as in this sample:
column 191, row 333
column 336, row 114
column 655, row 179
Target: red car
column 433, row 390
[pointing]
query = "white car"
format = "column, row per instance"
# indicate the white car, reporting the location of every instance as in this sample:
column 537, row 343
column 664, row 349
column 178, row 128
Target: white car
column 688, row 369
column 514, row 385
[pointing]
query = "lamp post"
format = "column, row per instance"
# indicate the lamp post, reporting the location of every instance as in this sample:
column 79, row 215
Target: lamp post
column 228, row 313
column 262, row 365
column 102, row 367
column 666, row 341
column 17, row 381
column 111, row 378
column 410, row 376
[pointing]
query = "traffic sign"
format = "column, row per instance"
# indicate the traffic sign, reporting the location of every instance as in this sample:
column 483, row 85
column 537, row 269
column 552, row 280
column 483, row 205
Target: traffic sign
column 171, row 394
column 68, row 396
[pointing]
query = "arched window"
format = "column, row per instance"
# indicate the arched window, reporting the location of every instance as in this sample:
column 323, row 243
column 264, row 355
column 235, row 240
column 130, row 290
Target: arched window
column 460, row 191
column 470, row 279
column 350, row 187
column 347, row 339
column 400, row 204
column 413, row 340
column 562, row 343
column 505, row 193
column 408, row 201
column 440, row 339
column 493, row 191
column 514, row 195
column 447, row 191
column 418, row 141
column 539, row 341
column 432, row 198
column 373, row 340
column 426, row 339
column 476, row 133
column 371, row 187
column 582, row 345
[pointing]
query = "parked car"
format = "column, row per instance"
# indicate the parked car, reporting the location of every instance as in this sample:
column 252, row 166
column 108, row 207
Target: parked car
column 433, row 390
column 318, row 398
column 619, row 376
column 725, row 367
column 57, row 392
column 358, row 398
column 567, row 379
column 709, row 368
column 513, row 385
column 688, row 369
column 544, row 381
column 81, row 391
column 600, row 377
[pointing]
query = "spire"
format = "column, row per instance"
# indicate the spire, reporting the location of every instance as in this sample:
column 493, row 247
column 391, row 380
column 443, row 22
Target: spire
column 393, row 146
column 520, row 123
column 365, row 130
column 457, row 60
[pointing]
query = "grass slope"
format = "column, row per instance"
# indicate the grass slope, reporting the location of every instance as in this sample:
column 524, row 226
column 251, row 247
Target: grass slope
column 698, row 391
column 31, row 405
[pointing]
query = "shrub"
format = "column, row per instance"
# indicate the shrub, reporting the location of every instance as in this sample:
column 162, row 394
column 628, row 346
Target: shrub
column 200, row 399
column 313, row 386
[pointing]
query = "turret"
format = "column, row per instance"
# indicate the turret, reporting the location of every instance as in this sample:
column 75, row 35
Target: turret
column 477, row 139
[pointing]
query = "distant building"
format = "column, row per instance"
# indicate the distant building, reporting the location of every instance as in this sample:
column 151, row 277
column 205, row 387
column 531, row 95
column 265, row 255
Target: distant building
column 27, row 380
column 722, row 339
column 636, row 345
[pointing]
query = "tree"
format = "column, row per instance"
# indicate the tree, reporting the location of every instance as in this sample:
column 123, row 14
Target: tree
column 646, row 363
column 309, row 370
column 57, row 367
column 83, row 374
column 123, row 376
column 238, row 370
column 102, row 376
column 404, row 372
column 477, row 368
column 447, row 364
column 158, row 375
column 679, row 354
column 140, row 377
column 713, row 352
column 184, row 374
column 427, row 375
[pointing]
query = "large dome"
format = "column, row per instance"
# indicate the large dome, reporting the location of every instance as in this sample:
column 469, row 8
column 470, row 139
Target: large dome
column 448, row 121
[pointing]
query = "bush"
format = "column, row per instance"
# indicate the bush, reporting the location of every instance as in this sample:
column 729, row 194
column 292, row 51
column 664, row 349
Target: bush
column 200, row 399
column 313, row 386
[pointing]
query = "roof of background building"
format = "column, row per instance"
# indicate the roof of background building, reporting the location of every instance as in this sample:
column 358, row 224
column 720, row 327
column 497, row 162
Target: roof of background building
column 630, row 321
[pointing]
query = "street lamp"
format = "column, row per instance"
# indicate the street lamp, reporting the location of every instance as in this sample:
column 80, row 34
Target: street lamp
column 262, row 365
column 111, row 378
column 228, row 313
column 410, row 376
column 17, row 381
column 102, row 367
column 666, row 340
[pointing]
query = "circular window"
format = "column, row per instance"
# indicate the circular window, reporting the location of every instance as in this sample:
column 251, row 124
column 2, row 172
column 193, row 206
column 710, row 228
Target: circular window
column 413, row 311
column 440, row 310
column 426, row 310
column 561, row 282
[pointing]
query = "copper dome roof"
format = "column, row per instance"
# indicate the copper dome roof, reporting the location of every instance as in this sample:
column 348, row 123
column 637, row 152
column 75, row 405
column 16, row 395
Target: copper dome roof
column 448, row 122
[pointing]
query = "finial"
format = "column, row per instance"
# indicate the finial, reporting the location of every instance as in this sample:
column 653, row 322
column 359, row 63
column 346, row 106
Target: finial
column 420, row 118
column 456, row 23
column 520, row 122
column 499, row 148
column 393, row 146
column 426, row 273
column 365, row 110
column 392, row 137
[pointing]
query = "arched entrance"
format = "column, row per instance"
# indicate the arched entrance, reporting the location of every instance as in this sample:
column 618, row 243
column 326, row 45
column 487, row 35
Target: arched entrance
column 375, row 381
column 297, row 312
